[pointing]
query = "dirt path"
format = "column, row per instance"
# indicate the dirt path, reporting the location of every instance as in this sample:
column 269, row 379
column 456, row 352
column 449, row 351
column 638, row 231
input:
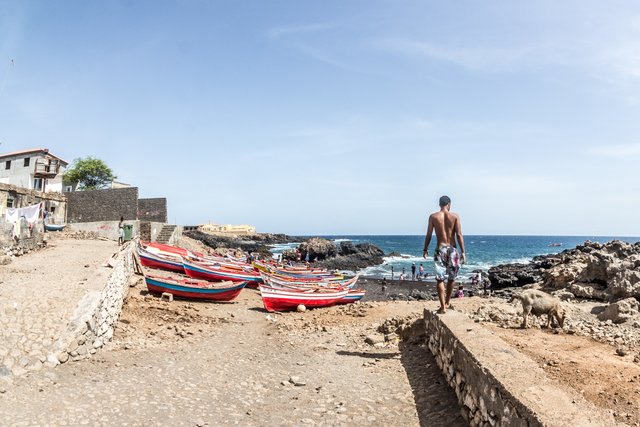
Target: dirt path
column 185, row 363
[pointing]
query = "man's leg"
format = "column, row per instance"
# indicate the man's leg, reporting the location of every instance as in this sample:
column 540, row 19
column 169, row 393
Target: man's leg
column 450, row 284
column 441, row 297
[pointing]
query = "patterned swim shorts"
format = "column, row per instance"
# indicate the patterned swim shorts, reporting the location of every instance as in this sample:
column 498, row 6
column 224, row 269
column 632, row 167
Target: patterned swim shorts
column 447, row 263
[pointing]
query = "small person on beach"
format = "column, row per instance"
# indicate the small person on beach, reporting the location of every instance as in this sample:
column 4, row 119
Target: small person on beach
column 121, row 231
column 392, row 272
column 446, row 225
column 413, row 271
column 421, row 271
column 460, row 293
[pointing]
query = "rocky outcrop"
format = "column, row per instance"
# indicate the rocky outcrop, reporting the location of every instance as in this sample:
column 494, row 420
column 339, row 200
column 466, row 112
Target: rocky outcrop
column 317, row 249
column 593, row 270
column 254, row 243
column 344, row 256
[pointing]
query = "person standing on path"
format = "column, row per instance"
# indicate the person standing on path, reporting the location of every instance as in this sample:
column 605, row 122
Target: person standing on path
column 446, row 225
column 392, row 272
column 121, row 231
column 413, row 271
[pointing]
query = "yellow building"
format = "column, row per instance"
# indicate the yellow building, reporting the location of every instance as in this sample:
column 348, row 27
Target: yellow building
column 227, row 229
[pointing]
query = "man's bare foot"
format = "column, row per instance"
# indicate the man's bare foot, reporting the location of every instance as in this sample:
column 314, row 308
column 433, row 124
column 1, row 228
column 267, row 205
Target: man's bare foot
column 442, row 310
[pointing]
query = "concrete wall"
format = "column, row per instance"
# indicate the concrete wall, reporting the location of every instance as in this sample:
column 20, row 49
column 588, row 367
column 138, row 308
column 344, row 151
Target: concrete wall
column 95, row 317
column 154, row 210
column 106, row 229
column 102, row 205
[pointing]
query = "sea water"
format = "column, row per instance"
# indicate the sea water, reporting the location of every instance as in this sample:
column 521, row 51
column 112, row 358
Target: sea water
column 482, row 252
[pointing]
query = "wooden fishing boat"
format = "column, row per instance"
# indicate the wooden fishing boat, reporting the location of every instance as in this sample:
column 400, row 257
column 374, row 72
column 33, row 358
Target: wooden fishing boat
column 163, row 249
column 196, row 289
column 210, row 272
column 54, row 227
column 160, row 261
column 283, row 300
column 353, row 296
column 288, row 282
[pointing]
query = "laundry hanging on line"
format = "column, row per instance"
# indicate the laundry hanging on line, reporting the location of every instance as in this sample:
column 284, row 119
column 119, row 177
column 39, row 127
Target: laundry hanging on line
column 31, row 213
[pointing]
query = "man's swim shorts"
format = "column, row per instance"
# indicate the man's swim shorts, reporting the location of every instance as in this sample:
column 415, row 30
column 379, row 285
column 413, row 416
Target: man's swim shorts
column 447, row 263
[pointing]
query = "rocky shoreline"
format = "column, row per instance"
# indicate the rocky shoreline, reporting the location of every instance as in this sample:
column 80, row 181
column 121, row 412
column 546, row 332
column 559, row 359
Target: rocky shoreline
column 320, row 252
column 603, row 272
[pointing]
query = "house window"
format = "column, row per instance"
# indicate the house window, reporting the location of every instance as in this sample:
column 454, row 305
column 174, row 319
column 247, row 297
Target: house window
column 37, row 184
column 27, row 161
column 9, row 203
column 7, row 164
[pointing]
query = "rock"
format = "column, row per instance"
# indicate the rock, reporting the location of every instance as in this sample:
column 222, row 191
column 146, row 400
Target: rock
column 63, row 356
column 621, row 311
column 296, row 381
column 391, row 337
column 4, row 260
column 621, row 351
column 301, row 308
column 4, row 371
column 374, row 339
column 317, row 248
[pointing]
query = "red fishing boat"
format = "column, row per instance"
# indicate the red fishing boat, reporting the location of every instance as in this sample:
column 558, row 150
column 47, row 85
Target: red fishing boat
column 289, row 299
column 160, row 261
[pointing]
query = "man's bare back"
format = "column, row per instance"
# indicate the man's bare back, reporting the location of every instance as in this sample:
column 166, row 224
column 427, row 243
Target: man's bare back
column 447, row 227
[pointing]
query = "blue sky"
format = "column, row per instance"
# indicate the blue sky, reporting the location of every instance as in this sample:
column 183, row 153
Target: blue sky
column 341, row 117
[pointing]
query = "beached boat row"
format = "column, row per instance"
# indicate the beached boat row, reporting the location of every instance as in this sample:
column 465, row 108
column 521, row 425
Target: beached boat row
column 281, row 287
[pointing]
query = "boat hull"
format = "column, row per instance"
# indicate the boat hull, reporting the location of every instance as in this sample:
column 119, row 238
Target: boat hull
column 192, row 289
column 279, row 300
column 198, row 271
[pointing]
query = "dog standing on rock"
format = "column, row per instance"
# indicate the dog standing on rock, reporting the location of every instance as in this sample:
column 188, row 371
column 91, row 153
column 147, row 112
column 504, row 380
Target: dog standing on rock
column 538, row 303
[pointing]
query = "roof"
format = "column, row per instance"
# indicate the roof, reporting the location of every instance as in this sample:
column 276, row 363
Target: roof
column 32, row 151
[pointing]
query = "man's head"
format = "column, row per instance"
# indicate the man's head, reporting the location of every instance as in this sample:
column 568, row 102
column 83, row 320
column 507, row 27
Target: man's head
column 445, row 201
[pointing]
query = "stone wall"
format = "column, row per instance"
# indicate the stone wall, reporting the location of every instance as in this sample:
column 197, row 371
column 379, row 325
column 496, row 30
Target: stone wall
column 498, row 386
column 154, row 210
column 96, row 315
column 103, row 205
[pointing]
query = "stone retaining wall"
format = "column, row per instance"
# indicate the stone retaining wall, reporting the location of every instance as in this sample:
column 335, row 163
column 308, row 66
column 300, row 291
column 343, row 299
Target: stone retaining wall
column 498, row 386
column 97, row 313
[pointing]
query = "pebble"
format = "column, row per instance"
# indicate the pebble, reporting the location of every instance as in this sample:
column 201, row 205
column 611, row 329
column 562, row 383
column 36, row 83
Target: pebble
column 296, row 381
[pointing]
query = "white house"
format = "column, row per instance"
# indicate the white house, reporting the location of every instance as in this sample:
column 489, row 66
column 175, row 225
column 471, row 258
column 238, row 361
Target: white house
column 34, row 169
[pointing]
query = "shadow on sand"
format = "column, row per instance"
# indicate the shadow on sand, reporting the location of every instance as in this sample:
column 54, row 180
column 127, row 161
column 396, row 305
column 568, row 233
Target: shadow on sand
column 436, row 403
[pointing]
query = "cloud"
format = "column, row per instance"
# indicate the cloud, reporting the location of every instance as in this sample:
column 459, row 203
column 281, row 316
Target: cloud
column 320, row 55
column 477, row 58
column 619, row 151
column 283, row 31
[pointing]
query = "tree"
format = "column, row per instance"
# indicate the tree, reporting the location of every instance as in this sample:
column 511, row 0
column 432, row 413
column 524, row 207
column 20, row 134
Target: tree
column 89, row 174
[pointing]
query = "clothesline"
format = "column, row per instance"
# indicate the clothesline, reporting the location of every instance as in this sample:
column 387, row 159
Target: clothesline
column 31, row 213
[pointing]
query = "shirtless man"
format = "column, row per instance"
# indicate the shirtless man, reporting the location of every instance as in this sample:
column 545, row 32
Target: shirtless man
column 447, row 227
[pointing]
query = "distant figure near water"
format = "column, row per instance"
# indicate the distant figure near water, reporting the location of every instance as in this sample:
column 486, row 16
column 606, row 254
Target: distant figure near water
column 413, row 271
column 446, row 225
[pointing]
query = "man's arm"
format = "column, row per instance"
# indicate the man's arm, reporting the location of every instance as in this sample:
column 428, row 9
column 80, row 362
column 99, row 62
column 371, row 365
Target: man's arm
column 460, row 240
column 427, row 239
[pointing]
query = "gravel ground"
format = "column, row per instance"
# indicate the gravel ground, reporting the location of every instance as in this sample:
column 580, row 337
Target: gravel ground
column 186, row 363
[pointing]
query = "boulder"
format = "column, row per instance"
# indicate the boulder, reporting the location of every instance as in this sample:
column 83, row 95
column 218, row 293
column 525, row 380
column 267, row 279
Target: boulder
column 317, row 248
column 347, row 248
column 621, row 311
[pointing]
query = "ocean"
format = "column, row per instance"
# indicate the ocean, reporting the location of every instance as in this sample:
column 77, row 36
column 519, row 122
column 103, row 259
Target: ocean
column 483, row 252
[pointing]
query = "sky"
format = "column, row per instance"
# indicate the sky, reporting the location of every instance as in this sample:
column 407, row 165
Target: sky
column 340, row 117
